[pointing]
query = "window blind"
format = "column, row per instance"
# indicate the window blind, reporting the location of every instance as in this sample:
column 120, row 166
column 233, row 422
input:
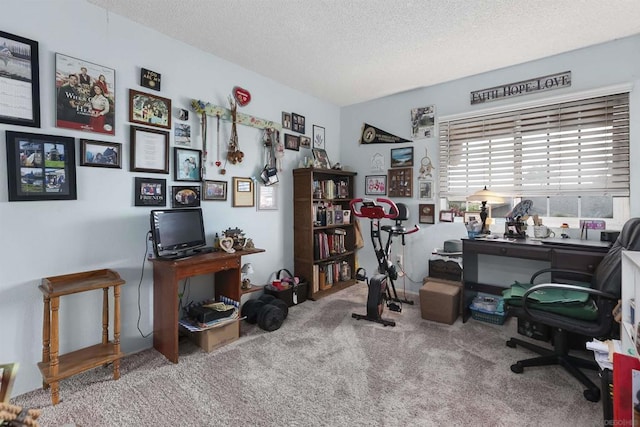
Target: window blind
column 571, row 148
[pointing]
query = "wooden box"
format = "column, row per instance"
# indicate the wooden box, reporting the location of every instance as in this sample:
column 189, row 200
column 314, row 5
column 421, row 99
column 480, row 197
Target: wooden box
column 217, row 336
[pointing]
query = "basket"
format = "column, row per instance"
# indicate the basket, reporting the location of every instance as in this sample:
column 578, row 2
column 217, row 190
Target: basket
column 497, row 317
column 299, row 290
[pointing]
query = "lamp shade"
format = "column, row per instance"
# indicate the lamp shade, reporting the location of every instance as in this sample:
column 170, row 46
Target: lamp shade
column 485, row 195
column 247, row 268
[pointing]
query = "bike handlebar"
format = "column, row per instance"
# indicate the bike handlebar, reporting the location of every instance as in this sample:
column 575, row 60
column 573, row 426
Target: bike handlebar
column 369, row 208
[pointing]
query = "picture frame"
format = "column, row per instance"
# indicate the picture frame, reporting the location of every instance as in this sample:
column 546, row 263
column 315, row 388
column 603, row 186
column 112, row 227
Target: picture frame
column 150, row 110
column 472, row 216
column 243, row 192
column 40, row 167
column 150, row 79
column 267, row 197
column 320, row 159
column 401, row 157
column 426, row 213
column 21, row 83
column 85, row 95
column 150, row 191
column 375, row 185
column 187, row 164
column 185, row 196
column 182, row 134
column 305, row 141
column 286, row 120
column 214, row 190
column 291, row 142
column 100, row 154
column 297, row 123
column 318, row 137
column 149, row 150
column 446, row 216
column 425, row 189
column 400, row 182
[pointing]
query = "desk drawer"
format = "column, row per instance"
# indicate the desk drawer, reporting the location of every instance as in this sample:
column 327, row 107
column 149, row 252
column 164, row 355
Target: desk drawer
column 586, row 261
column 509, row 250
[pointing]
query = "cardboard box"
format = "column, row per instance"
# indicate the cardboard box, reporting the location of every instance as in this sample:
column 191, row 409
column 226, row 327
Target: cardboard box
column 439, row 301
column 456, row 283
column 217, row 336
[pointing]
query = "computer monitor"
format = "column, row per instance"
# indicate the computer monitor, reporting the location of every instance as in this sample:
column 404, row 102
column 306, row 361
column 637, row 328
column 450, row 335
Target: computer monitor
column 177, row 232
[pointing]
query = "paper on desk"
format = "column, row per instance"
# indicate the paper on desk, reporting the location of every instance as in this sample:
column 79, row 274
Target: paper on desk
column 603, row 351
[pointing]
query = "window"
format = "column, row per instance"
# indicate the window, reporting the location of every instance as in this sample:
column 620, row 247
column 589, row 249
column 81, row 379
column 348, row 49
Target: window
column 571, row 158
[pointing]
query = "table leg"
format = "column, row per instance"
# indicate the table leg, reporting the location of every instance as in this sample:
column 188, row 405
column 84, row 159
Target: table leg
column 116, row 331
column 46, row 335
column 105, row 315
column 54, row 363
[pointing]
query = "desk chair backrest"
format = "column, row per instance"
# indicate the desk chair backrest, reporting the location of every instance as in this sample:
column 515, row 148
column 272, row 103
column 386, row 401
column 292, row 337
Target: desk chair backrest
column 608, row 276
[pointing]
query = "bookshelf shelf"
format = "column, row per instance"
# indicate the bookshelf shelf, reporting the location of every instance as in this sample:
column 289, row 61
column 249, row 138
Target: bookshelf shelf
column 324, row 235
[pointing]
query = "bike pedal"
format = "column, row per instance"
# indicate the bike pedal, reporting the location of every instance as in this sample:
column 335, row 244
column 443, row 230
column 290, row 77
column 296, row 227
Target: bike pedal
column 394, row 307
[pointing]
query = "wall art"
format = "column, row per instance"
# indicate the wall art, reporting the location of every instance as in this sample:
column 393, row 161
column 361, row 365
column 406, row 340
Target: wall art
column 214, row 190
column 40, row 167
column 426, row 213
column 100, row 154
column 375, row 185
column 85, row 95
column 291, row 142
column 243, row 193
column 297, row 123
column 187, row 164
column 401, row 157
column 150, row 191
column 318, row 137
column 185, row 196
column 423, row 122
column 149, row 150
column 150, row 79
column 20, row 82
column 148, row 109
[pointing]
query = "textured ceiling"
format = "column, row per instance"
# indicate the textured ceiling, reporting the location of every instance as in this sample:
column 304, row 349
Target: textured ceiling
column 346, row 52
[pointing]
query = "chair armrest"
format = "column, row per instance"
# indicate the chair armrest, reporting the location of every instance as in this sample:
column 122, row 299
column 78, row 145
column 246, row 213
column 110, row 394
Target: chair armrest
column 596, row 292
column 586, row 275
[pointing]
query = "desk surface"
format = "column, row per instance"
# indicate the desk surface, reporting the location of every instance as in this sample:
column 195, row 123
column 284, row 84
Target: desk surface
column 551, row 242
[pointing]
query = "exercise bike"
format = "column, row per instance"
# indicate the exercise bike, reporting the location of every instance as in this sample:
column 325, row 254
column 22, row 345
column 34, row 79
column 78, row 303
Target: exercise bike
column 382, row 290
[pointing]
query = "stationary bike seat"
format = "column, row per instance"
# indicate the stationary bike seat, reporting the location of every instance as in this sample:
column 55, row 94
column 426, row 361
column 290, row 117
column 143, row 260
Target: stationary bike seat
column 398, row 228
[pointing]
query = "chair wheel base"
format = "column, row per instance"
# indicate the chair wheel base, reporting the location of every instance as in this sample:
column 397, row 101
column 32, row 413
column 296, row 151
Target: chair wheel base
column 517, row 368
column 592, row 394
column 511, row 344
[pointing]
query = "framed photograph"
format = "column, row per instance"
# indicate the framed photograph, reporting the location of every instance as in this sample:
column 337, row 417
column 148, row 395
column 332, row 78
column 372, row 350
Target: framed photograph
column 149, row 150
column 400, row 182
column 150, row 191
column 401, row 157
column 425, row 189
column 187, row 164
column 85, row 95
column 423, row 122
column 297, row 123
column 375, row 185
column 150, row 79
column 185, row 196
column 305, row 142
column 40, row 167
column 318, row 137
column 19, row 81
column 243, row 193
column 100, row 154
column 148, row 109
column 182, row 134
column 321, row 160
column 267, row 197
column 427, row 213
column 472, row 216
column 291, row 142
column 214, row 190
column 446, row 216
column 286, row 120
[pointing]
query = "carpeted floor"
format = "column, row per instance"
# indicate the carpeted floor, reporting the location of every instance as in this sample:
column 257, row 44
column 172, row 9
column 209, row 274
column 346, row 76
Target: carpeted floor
column 325, row 368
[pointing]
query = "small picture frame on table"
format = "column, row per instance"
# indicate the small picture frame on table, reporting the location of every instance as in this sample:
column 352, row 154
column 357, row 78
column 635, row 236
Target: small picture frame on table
column 185, row 196
column 40, row 167
column 150, row 191
column 375, row 185
column 446, row 216
column 149, row 150
column 148, row 109
column 321, row 159
column 100, row 154
column 187, row 164
column 427, row 213
column 214, row 190
column 472, row 216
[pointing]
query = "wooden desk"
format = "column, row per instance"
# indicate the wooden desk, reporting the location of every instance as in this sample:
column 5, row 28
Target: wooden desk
column 580, row 255
column 56, row 367
column 166, row 276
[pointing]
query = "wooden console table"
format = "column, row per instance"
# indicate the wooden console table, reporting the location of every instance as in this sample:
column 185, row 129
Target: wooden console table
column 505, row 257
column 166, row 276
column 56, row 367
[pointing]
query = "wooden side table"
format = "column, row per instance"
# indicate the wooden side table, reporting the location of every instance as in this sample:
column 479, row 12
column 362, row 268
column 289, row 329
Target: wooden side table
column 55, row 367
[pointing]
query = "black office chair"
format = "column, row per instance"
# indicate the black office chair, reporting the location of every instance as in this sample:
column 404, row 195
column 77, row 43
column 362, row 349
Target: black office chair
column 592, row 318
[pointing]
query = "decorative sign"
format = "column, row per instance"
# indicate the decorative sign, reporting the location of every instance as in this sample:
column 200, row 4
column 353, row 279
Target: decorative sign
column 540, row 84
column 242, row 96
column 373, row 135
column 150, row 79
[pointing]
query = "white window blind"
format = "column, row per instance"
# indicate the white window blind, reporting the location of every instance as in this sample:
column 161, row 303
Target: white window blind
column 570, row 148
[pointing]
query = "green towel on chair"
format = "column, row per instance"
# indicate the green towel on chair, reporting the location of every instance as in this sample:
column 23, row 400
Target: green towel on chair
column 568, row 303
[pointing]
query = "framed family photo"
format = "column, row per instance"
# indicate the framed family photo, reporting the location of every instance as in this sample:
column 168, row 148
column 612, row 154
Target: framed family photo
column 375, row 185
column 148, row 109
column 20, row 82
column 85, row 95
column 305, row 142
column 185, row 196
column 321, row 159
column 187, row 164
column 149, row 150
column 100, row 154
column 214, row 190
column 291, row 142
column 150, row 191
column 297, row 123
column 40, row 167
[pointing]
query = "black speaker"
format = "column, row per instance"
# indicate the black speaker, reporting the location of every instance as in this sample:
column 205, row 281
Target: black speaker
column 609, row 236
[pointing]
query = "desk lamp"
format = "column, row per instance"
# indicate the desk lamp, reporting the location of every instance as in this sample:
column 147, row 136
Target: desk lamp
column 485, row 196
column 247, row 269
